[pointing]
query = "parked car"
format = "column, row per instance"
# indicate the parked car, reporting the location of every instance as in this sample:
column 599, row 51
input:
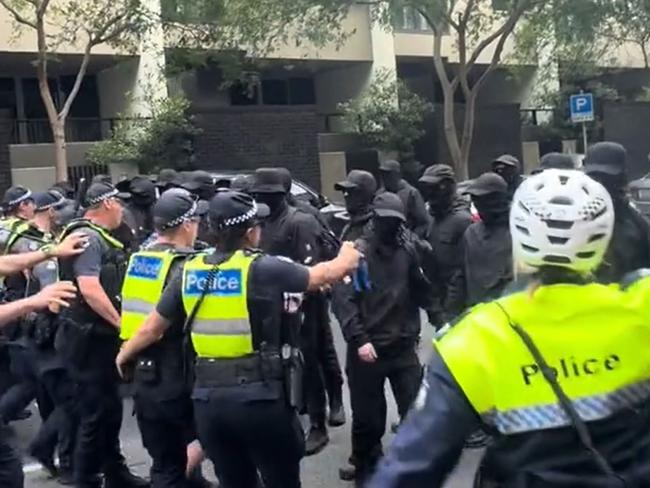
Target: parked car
column 640, row 194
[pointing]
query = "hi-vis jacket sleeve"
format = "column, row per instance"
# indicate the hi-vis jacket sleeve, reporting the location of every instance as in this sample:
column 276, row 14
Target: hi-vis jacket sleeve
column 430, row 442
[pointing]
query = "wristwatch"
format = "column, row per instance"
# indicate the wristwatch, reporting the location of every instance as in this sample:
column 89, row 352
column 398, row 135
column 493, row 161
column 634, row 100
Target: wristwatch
column 48, row 250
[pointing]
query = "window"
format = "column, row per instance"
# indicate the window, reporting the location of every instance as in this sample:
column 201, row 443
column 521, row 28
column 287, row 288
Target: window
column 302, row 91
column 184, row 11
column 275, row 91
column 7, row 93
column 409, row 19
column 86, row 103
column 244, row 94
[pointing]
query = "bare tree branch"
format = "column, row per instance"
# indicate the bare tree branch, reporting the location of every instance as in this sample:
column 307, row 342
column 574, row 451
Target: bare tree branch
column 77, row 82
column 17, row 15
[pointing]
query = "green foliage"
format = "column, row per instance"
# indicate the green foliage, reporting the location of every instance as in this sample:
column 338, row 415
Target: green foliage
column 163, row 141
column 385, row 124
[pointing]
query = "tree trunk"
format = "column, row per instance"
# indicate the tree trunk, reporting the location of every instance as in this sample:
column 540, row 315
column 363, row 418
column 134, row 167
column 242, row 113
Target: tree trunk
column 60, row 153
column 468, row 135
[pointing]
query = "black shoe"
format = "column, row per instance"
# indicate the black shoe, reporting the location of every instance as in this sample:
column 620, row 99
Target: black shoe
column 123, row 478
column 47, row 461
column 348, row 473
column 337, row 415
column 65, row 477
column 316, row 440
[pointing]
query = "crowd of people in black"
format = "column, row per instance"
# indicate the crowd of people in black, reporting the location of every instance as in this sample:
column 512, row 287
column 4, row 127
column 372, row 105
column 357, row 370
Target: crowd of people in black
column 429, row 248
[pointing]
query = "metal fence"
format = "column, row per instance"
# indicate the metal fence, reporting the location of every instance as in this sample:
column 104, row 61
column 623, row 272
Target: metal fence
column 77, row 129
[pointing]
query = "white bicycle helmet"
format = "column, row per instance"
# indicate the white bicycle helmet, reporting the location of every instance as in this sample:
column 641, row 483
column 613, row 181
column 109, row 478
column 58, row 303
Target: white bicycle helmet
column 561, row 218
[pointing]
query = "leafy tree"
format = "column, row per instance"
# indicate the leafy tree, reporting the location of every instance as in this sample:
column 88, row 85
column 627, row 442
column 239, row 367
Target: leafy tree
column 84, row 23
column 166, row 140
column 387, row 125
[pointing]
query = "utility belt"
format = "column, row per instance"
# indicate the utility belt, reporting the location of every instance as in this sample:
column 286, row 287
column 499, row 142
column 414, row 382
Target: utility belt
column 224, row 372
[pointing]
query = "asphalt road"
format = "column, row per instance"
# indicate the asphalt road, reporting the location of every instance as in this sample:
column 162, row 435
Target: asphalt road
column 320, row 471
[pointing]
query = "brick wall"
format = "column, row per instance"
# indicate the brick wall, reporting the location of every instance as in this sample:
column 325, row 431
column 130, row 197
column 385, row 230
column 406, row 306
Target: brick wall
column 6, row 131
column 250, row 137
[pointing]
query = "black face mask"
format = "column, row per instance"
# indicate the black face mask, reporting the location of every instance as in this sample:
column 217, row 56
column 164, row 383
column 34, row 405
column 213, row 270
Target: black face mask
column 145, row 200
column 387, row 230
column 357, row 202
column 616, row 185
column 507, row 172
column 275, row 201
column 206, row 193
column 493, row 208
column 391, row 181
column 439, row 195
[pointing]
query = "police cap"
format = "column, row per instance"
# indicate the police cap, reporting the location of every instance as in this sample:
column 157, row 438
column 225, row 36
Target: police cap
column 437, row 173
column 269, row 180
column 176, row 206
column 232, row 208
column 389, row 205
column 488, row 184
column 48, row 199
column 357, row 179
column 606, row 157
column 98, row 192
column 16, row 195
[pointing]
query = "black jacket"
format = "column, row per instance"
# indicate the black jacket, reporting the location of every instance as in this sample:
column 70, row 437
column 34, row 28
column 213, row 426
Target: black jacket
column 294, row 234
column 417, row 217
column 487, row 265
column 388, row 313
column 431, row 441
column 445, row 235
column 629, row 249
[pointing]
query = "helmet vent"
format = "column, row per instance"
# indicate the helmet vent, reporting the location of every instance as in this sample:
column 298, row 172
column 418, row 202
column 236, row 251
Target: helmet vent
column 524, row 207
column 564, row 180
column 558, row 240
column 561, row 200
column 586, row 254
column 596, row 237
column 523, row 230
column 557, row 259
column 559, row 224
column 529, row 248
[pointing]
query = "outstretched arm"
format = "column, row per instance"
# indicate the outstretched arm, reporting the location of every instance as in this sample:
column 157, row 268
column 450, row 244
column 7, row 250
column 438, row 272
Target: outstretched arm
column 15, row 263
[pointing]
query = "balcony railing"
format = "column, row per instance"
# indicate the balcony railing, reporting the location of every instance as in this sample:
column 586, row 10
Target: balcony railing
column 38, row 131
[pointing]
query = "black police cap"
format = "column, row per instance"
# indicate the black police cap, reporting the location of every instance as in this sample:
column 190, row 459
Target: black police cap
column 176, row 206
column 389, row 205
column 16, row 195
column 232, row 208
column 98, row 192
column 48, row 199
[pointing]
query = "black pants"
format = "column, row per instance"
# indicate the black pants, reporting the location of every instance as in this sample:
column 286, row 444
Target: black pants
column 322, row 372
column 11, row 470
column 244, row 438
column 60, row 427
column 98, row 440
column 167, row 427
column 366, row 381
column 27, row 387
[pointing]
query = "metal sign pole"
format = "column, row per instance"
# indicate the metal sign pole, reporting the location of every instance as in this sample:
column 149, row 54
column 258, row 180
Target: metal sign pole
column 584, row 138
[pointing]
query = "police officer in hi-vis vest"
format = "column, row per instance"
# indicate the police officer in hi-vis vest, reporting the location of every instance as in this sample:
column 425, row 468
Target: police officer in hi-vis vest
column 559, row 373
column 162, row 391
column 88, row 341
column 232, row 301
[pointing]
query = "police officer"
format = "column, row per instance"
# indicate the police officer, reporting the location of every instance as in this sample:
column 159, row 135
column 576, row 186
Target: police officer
column 550, row 369
column 48, row 371
column 487, row 245
column 629, row 250
column 233, row 302
column 358, row 189
column 143, row 196
column 18, row 208
column 509, row 168
column 417, row 218
column 295, row 234
column 380, row 320
column 11, row 472
column 88, row 339
column 162, row 393
column 450, row 218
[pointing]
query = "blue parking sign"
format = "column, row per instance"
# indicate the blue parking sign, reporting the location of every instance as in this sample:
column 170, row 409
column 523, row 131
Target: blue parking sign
column 582, row 108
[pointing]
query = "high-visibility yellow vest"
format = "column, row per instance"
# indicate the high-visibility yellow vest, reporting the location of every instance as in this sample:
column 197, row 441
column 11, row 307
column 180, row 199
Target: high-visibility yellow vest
column 221, row 328
column 80, row 224
column 144, row 283
column 11, row 229
column 595, row 337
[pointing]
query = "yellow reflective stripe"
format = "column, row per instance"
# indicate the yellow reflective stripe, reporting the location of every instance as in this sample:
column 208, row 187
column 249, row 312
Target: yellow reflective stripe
column 132, row 305
column 221, row 327
column 592, row 408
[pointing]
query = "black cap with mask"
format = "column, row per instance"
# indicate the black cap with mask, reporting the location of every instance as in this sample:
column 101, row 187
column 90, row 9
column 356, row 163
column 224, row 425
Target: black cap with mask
column 606, row 162
column 388, row 217
column 438, row 187
column 491, row 198
column 143, row 191
column 269, row 187
column 358, row 189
